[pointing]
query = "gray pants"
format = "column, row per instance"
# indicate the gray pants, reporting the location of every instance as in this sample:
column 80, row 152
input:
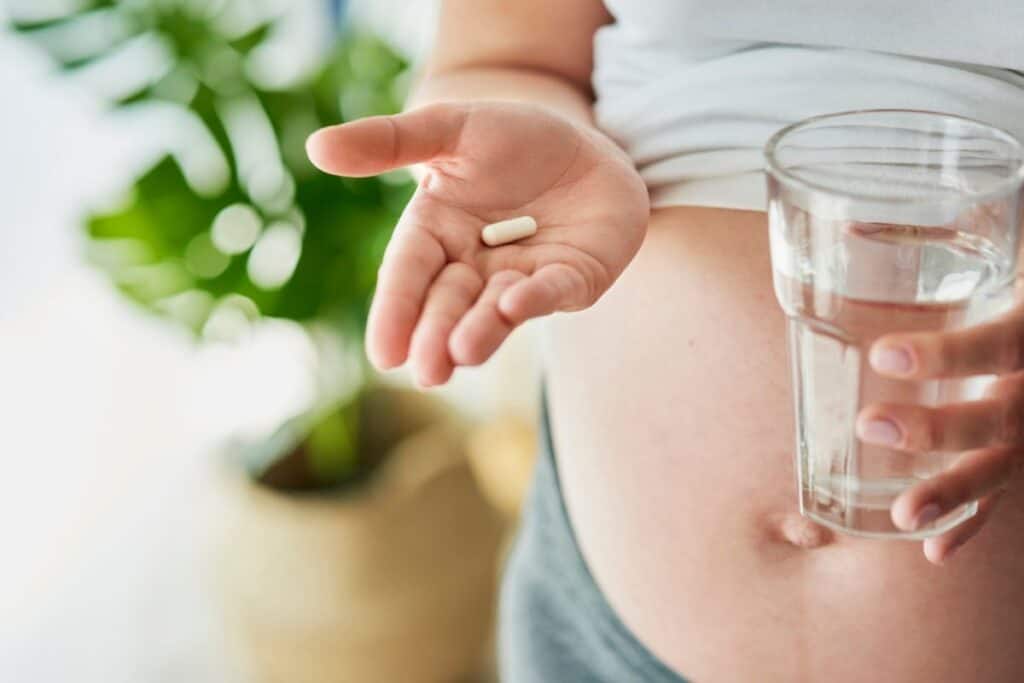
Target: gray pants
column 555, row 625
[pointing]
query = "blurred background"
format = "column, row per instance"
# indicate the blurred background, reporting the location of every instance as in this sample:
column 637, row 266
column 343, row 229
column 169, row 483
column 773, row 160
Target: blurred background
column 200, row 478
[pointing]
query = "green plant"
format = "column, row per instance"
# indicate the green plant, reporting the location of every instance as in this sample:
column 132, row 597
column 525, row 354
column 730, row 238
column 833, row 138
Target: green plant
column 233, row 222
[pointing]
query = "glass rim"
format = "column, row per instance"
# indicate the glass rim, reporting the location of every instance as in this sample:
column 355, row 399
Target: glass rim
column 784, row 176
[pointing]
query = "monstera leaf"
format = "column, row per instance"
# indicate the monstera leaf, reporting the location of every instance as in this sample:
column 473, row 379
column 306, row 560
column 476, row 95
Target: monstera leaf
column 234, row 217
column 233, row 222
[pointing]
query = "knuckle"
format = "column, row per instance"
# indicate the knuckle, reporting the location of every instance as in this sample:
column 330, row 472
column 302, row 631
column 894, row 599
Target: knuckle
column 460, row 271
column 405, row 297
column 466, row 281
column 505, row 278
column 1004, row 342
column 584, row 283
column 1015, row 346
column 593, row 278
column 1016, row 467
column 458, row 281
column 471, row 352
column 579, row 289
column 401, row 258
column 439, row 317
column 934, row 431
column 955, row 490
column 395, row 148
column 1008, row 353
column 948, row 353
column 1010, row 418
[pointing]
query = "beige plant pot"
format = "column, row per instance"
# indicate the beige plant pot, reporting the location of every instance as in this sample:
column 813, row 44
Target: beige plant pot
column 502, row 453
column 392, row 582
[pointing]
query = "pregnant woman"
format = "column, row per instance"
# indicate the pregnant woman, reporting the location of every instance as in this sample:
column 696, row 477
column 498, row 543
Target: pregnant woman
column 662, row 540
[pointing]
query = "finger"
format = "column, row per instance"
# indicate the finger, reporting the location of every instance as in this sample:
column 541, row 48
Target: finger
column 952, row 427
column 939, row 548
column 382, row 143
column 555, row 287
column 484, row 328
column 973, row 475
column 451, row 295
column 411, row 263
column 995, row 347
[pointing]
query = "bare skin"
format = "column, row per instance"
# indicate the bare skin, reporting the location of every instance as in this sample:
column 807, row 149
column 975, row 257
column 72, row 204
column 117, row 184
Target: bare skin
column 681, row 488
column 679, row 481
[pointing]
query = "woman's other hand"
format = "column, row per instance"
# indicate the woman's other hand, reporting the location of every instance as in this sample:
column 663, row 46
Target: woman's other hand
column 988, row 432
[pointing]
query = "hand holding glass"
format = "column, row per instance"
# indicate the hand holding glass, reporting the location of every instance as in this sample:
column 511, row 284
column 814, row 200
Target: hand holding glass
column 883, row 221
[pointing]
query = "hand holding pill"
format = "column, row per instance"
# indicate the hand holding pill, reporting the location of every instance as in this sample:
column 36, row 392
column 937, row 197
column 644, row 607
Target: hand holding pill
column 520, row 213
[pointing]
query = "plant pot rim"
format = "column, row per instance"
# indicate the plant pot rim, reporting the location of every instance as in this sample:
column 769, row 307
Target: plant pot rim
column 409, row 464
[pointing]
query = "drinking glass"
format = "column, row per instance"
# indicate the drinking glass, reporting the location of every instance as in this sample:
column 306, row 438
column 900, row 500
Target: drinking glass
column 883, row 221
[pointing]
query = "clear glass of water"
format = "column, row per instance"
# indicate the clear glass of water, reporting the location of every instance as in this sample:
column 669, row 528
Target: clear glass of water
column 883, row 221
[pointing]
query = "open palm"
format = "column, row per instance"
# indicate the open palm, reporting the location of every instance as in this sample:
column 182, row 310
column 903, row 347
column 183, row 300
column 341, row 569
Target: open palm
column 444, row 298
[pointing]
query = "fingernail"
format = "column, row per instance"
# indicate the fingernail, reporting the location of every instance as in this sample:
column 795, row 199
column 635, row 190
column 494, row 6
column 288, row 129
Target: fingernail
column 882, row 432
column 892, row 359
column 928, row 514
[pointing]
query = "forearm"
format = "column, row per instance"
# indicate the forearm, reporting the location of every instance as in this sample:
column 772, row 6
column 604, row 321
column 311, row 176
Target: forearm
column 507, row 84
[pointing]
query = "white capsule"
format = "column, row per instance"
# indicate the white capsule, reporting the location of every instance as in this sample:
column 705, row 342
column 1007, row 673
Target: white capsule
column 511, row 230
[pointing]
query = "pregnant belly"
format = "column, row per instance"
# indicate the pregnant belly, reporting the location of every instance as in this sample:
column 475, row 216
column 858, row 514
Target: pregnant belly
column 673, row 429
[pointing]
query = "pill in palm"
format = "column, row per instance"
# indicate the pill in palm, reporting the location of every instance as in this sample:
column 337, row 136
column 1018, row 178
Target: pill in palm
column 511, row 230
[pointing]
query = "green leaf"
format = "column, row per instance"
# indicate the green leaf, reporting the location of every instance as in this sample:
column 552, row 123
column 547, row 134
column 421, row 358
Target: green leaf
column 40, row 22
column 158, row 248
column 245, row 43
column 345, row 223
column 332, row 446
column 81, row 38
column 177, row 85
column 30, row 26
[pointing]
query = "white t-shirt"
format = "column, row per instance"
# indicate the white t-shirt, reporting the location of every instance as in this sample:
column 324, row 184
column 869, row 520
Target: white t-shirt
column 694, row 88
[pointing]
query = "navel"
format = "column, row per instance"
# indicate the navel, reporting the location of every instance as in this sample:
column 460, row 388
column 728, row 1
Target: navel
column 798, row 531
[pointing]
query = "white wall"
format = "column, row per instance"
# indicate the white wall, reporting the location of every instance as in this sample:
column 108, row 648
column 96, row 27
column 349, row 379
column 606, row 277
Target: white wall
column 408, row 24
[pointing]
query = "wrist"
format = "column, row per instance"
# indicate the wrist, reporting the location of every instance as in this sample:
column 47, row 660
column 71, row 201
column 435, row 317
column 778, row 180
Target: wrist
column 512, row 84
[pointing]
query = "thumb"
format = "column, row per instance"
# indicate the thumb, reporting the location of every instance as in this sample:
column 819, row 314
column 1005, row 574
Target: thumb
column 382, row 143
